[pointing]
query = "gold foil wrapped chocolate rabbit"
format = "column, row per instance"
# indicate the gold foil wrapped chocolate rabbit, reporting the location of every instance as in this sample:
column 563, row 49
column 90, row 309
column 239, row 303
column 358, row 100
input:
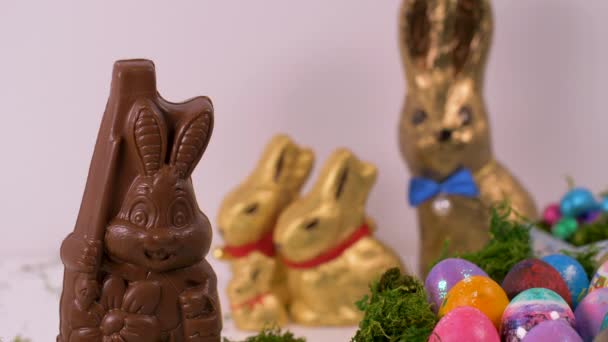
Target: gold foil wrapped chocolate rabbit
column 247, row 219
column 135, row 267
column 326, row 242
column 444, row 131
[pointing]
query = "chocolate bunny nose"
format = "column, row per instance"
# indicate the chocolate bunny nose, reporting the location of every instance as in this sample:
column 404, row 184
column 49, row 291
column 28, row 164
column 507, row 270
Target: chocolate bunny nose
column 444, row 135
column 161, row 236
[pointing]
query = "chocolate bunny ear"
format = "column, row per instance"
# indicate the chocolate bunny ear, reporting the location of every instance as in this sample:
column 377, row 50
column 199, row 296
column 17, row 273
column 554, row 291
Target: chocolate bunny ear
column 148, row 134
column 191, row 141
column 444, row 38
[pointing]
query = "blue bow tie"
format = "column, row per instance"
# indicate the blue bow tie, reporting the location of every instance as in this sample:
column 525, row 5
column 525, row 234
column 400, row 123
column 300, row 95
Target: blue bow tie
column 459, row 183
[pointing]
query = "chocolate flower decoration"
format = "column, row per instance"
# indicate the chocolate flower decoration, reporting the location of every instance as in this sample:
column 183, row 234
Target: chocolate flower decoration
column 123, row 314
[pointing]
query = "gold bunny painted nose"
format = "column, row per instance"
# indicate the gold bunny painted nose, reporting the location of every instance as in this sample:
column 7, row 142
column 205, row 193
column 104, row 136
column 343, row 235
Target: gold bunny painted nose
column 444, row 135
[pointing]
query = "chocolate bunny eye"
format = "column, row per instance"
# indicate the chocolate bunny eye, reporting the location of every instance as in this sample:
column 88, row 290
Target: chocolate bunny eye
column 180, row 214
column 466, row 115
column 139, row 215
column 419, row 117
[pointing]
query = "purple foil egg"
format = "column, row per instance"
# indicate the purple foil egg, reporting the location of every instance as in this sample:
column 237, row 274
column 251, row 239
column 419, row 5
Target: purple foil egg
column 446, row 274
column 549, row 330
column 589, row 217
column 590, row 313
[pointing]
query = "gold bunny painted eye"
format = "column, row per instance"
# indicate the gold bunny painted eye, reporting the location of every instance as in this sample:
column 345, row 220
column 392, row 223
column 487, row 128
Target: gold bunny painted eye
column 180, row 214
column 466, row 115
column 419, row 117
column 255, row 274
column 140, row 214
column 312, row 224
column 251, row 209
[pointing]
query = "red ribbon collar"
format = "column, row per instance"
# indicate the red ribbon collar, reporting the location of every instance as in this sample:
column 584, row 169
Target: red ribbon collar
column 333, row 253
column 259, row 299
column 263, row 245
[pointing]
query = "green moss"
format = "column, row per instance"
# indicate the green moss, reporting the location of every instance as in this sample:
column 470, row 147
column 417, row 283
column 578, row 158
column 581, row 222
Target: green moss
column 18, row 338
column 396, row 311
column 590, row 232
column 272, row 335
column 509, row 244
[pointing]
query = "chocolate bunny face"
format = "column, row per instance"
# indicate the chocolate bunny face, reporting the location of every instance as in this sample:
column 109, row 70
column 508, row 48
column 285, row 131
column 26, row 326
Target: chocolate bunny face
column 160, row 226
column 444, row 125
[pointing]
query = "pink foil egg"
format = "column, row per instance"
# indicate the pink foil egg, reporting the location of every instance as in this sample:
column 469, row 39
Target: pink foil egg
column 464, row 323
column 552, row 214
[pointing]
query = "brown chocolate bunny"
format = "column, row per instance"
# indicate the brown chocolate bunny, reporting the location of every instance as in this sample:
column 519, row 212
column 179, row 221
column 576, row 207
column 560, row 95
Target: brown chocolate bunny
column 146, row 279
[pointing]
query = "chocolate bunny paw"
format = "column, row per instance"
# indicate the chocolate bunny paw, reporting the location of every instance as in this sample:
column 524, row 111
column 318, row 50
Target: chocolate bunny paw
column 196, row 304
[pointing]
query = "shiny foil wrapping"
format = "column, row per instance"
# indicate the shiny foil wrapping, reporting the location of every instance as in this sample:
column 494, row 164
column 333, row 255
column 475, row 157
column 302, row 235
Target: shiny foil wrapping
column 247, row 218
column 326, row 242
column 444, row 122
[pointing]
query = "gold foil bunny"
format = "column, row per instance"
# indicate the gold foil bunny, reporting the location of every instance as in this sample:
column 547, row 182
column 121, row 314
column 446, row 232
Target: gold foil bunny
column 444, row 130
column 328, row 247
column 255, row 304
column 247, row 219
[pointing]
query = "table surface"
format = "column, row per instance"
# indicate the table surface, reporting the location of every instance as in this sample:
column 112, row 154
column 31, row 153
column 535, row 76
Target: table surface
column 29, row 297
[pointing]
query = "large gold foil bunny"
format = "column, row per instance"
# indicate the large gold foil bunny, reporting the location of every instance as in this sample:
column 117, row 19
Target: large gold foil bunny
column 327, row 245
column 247, row 219
column 444, row 130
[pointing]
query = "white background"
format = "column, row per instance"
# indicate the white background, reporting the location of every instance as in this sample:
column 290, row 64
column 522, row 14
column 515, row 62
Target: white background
column 326, row 72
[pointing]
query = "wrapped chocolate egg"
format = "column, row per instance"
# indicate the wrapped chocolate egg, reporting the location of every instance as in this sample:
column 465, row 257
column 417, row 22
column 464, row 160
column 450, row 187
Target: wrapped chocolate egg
column 604, row 204
column 531, row 273
column 464, row 324
column 547, row 331
column 479, row 292
column 552, row 214
column 589, row 217
column 572, row 272
column 578, row 201
column 446, row 274
column 604, row 325
column 565, row 228
column 530, row 308
column 600, row 279
column 590, row 313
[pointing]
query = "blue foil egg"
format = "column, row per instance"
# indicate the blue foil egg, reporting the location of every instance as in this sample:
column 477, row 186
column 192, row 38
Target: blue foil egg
column 604, row 323
column 573, row 274
column 578, row 201
column 604, row 204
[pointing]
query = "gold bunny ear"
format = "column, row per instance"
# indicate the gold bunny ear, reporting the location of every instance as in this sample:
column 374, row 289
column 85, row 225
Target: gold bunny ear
column 345, row 178
column 284, row 163
column 148, row 135
column 444, row 39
